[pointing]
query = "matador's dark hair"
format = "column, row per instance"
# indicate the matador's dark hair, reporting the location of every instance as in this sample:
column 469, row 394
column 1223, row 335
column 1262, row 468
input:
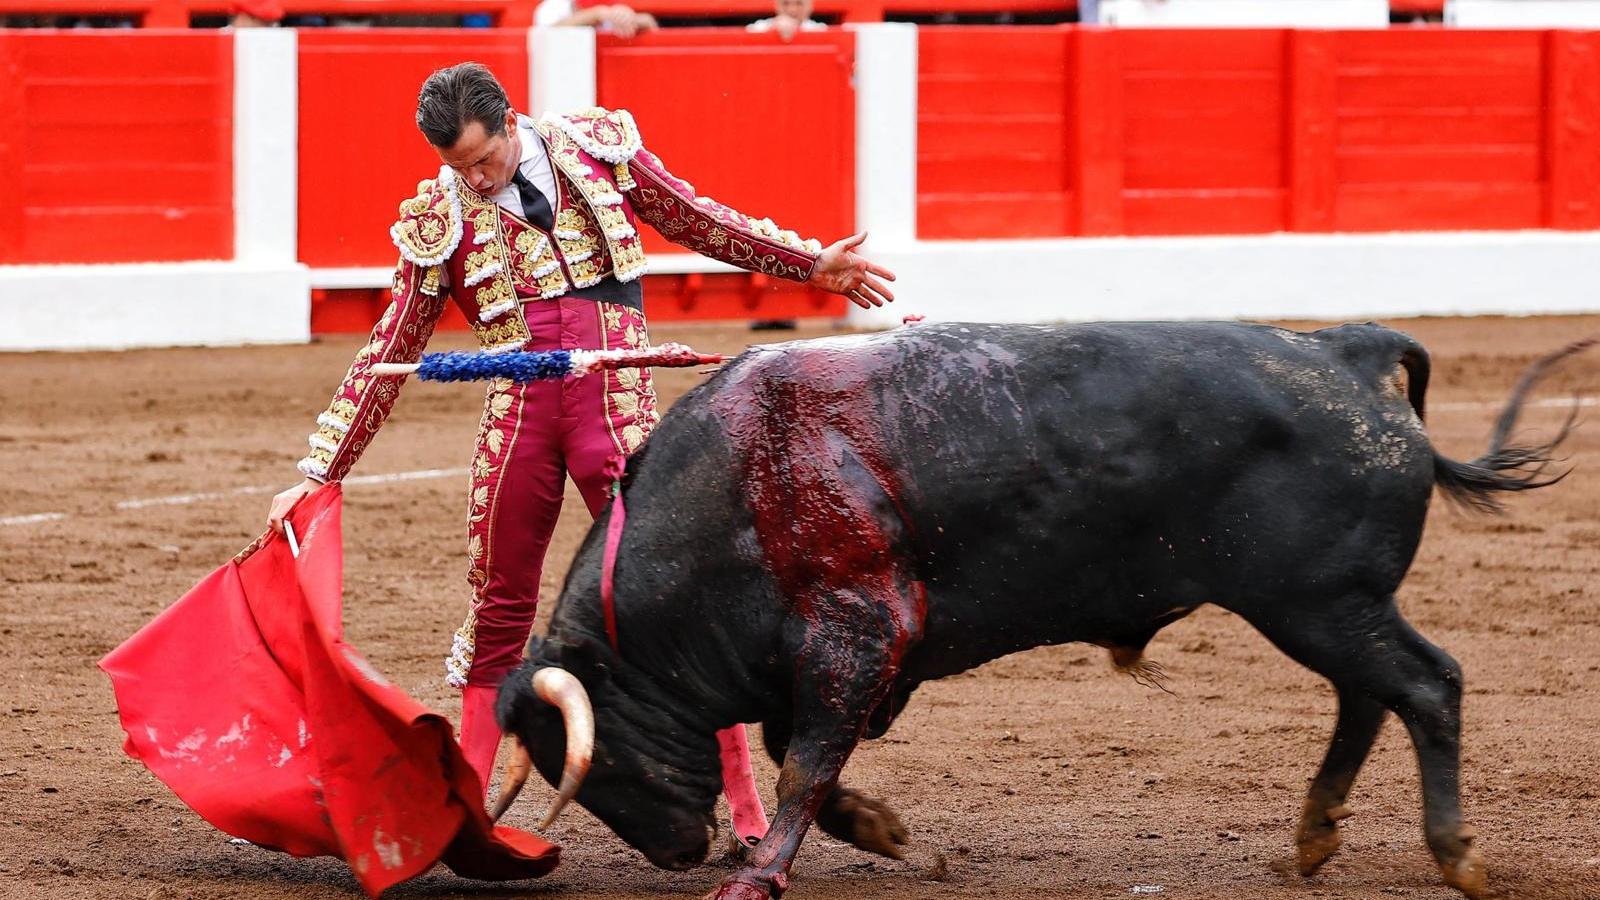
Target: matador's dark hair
column 457, row 95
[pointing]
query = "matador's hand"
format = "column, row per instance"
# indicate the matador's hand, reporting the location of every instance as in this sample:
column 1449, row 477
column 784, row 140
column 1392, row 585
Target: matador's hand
column 285, row 501
column 843, row 271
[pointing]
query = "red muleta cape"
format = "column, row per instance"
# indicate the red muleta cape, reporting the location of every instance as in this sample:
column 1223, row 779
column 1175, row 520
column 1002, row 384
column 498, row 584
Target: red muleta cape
column 245, row 700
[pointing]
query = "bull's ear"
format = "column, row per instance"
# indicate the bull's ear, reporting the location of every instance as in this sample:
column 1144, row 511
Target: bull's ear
column 589, row 661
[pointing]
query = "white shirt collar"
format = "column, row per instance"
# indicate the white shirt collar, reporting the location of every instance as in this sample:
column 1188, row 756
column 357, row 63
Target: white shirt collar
column 532, row 144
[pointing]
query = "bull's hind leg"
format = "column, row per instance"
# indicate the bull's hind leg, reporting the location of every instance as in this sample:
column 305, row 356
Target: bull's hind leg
column 1375, row 658
column 1360, row 717
column 847, row 814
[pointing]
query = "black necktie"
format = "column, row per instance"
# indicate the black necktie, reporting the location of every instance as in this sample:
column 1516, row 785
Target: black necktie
column 534, row 206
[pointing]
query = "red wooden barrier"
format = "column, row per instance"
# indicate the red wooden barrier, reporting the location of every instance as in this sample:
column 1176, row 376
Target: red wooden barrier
column 994, row 155
column 360, row 151
column 853, row 10
column 1438, row 130
column 1202, row 141
column 1413, row 7
column 1095, row 103
column 1572, row 130
column 178, row 13
column 1252, row 131
column 740, row 298
column 117, row 149
column 519, row 13
column 764, row 126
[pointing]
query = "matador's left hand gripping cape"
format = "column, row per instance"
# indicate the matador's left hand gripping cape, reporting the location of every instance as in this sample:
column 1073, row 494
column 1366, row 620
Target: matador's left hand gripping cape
column 458, row 245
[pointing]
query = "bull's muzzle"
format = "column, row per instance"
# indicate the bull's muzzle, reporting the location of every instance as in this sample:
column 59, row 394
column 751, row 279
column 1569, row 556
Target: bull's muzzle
column 565, row 692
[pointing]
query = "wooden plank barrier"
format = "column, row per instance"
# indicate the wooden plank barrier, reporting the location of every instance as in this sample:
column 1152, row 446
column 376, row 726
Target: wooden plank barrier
column 1152, row 132
column 121, row 149
column 519, row 13
column 994, row 154
column 762, row 125
column 360, row 151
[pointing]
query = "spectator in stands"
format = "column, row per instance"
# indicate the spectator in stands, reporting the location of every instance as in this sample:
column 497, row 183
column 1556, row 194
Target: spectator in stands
column 791, row 17
column 256, row 13
column 610, row 18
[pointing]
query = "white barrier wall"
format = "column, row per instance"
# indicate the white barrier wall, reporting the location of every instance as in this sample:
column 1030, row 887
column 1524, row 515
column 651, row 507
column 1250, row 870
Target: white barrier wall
column 1279, row 276
column 561, row 69
column 262, row 296
column 1244, row 13
column 886, row 133
column 1522, row 13
column 266, row 126
column 153, row 305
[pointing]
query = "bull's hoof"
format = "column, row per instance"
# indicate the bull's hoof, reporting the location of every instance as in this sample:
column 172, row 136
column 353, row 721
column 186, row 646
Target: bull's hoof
column 735, row 853
column 1313, row 846
column 1318, row 838
column 868, row 824
column 1467, row 874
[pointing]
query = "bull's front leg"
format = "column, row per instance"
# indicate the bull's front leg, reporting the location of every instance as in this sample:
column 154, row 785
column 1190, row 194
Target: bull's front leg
column 845, row 667
column 847, row 814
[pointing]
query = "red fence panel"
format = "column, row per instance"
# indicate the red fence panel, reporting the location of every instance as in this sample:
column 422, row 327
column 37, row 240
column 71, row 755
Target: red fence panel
column 1312, row 133
column 1096, row 115
column 992, row 142
column 1061, row 131
column 519, row 13
column 360, row 151
column 1572, row 148
column 764, row 126
column 1439, row 129
column 1202, row 137
column 120, row 146
column 855, row 10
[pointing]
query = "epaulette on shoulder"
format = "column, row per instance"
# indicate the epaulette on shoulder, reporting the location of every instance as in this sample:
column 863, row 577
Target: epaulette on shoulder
column 605, row 134
column 430, row 223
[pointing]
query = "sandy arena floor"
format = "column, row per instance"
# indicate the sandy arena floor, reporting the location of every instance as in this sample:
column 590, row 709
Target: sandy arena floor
column 1040, row 775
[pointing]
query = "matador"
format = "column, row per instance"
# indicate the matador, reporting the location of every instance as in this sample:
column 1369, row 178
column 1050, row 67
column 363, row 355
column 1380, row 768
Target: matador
column 531, row 230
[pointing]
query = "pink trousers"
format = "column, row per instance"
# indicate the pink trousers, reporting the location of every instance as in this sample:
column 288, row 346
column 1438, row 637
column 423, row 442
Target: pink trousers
column 532, row 437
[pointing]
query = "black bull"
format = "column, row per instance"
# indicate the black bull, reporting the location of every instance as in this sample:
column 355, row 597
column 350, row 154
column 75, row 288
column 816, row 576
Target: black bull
column 826, row 524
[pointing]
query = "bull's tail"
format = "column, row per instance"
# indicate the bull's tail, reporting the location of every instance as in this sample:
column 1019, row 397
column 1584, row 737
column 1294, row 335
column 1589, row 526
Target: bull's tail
column 1501, row 468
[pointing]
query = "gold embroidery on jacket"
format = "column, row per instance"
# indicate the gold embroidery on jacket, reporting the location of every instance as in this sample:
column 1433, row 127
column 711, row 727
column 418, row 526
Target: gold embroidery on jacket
column 608, row 135
column 495, row 291
column 499, row 324
column 501, row 332
column 615, row 234
column 580, row 246
column 430, row 222
column 482, row 263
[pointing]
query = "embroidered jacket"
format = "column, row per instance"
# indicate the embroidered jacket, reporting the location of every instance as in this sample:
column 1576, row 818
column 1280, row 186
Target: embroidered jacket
column 456, row 244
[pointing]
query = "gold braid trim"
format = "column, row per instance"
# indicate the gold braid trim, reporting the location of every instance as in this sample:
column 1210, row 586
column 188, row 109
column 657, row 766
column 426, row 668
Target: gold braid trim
column 430, row 223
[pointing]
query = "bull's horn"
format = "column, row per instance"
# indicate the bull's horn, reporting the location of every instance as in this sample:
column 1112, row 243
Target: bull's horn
column 561, row 689
column 514, row 777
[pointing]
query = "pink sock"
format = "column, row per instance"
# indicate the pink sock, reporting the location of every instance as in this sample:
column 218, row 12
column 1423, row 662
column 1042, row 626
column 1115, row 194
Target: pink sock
column 739, row 783
column 480, row 734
